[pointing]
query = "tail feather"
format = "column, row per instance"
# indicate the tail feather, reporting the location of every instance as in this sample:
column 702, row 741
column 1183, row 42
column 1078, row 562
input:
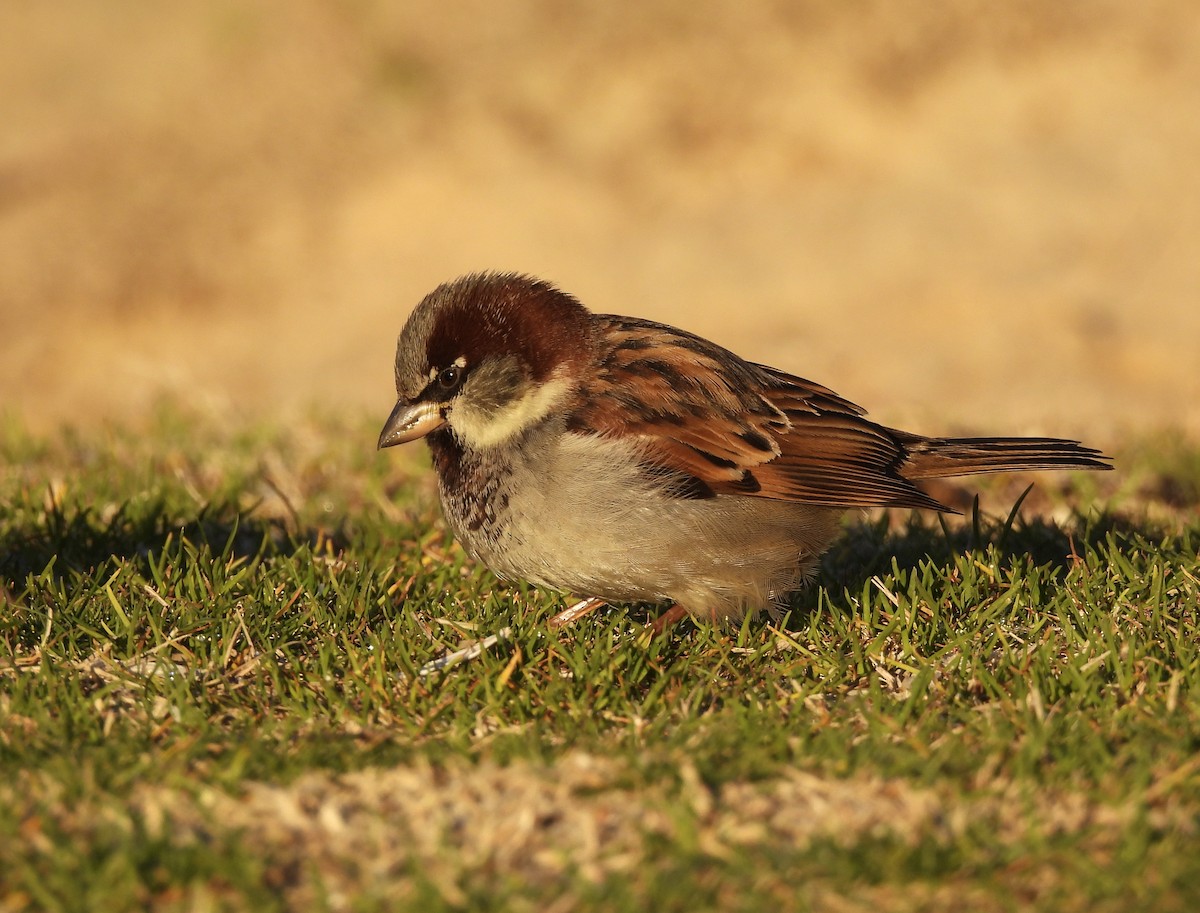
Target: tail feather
column 936, row 458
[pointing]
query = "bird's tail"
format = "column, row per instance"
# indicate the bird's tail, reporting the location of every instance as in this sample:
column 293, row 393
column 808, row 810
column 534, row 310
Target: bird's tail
column 936, row 458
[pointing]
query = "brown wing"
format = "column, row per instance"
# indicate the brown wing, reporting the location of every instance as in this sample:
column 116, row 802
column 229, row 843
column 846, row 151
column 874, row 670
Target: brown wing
column 710, row 423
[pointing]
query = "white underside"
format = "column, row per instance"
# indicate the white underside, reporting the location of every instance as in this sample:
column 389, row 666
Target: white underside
column 583, row 518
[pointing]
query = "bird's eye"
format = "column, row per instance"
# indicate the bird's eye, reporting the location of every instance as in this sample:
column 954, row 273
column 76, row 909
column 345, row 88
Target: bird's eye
column 448, row 378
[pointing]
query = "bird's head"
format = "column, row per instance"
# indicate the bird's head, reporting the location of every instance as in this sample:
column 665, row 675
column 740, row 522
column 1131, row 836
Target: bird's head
column 487, row 356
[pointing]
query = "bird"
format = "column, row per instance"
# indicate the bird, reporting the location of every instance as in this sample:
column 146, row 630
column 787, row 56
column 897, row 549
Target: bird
column 629, row 461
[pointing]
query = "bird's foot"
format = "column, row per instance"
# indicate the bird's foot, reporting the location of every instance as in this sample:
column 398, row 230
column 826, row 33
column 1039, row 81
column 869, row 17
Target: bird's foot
column 667, row 620
column 573, row 613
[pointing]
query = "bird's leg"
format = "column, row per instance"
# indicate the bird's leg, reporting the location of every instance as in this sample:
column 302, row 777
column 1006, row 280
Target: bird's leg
column 667, row 620
column 661, row 625
column 575, row 612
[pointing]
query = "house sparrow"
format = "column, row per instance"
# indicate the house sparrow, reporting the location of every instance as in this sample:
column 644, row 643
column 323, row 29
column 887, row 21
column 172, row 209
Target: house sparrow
column 634, row 462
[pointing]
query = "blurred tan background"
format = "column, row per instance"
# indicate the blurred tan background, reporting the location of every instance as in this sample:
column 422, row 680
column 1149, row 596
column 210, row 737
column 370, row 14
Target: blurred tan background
column 968, row 216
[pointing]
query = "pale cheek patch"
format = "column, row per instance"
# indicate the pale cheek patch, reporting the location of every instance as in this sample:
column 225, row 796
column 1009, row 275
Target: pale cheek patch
column 487, row 429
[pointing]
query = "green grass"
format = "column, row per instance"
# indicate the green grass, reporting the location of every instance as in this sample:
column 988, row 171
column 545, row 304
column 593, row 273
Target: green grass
column 210, row 699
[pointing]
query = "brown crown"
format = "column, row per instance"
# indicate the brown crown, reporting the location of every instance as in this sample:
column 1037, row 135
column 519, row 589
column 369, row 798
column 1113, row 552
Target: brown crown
column 504, row 313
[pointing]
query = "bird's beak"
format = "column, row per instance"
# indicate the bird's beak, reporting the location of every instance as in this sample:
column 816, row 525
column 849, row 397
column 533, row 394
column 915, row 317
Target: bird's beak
column 410, row 421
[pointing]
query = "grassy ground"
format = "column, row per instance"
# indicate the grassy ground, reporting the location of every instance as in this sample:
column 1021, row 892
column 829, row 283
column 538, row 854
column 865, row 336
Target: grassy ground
column 209, row 699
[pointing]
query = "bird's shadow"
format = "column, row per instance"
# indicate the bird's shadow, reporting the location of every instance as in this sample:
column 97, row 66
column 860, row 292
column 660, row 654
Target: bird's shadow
column 75, row 546
column 886, row 544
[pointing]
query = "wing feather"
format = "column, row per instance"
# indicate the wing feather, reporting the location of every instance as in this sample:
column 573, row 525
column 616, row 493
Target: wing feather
column 713, row 424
